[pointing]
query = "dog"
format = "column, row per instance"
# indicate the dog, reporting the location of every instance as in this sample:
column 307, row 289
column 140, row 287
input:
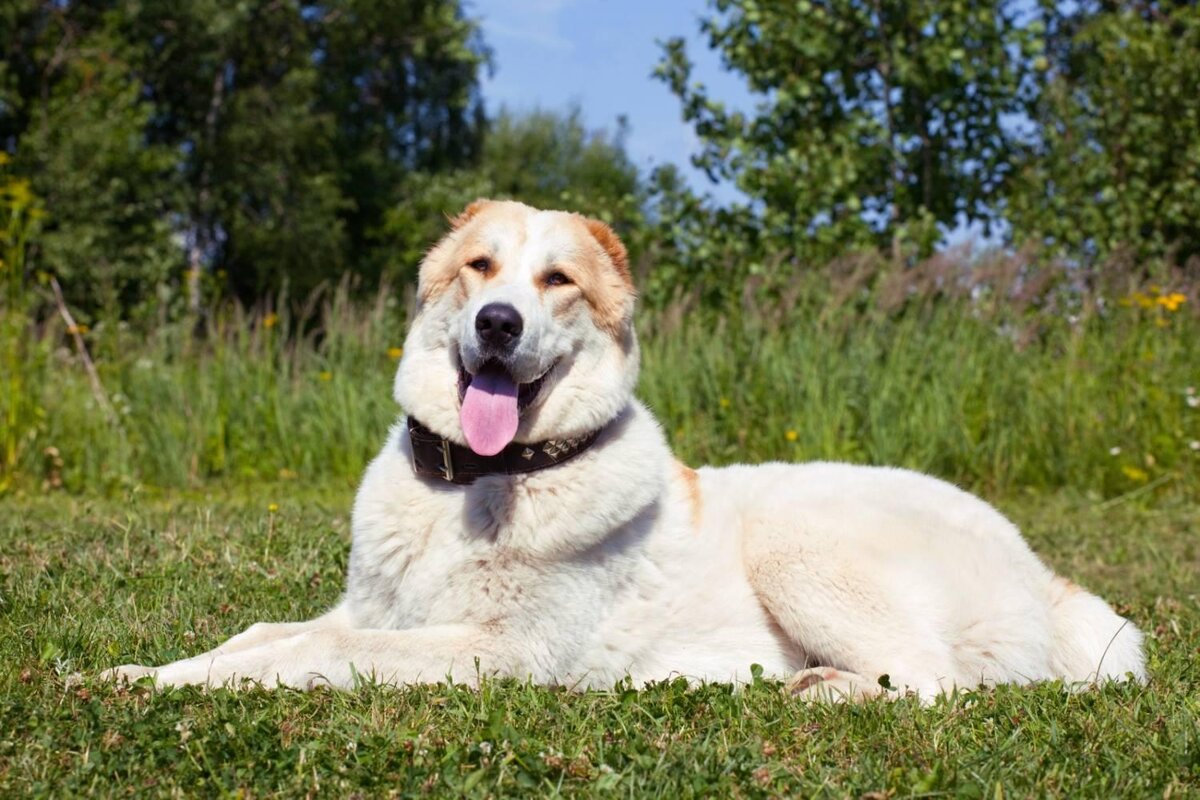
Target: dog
column 527, row 519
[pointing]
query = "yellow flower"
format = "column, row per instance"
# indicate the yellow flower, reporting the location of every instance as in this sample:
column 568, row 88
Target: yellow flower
column 724, row 402
column 326, row 375
column 394, row 353
column 19, row 193
column 80, row 329
column 270, row 320
column 791, row 436
column 1143, row 300
column 1172, row 301
column 1135, row 473
column 272, row 508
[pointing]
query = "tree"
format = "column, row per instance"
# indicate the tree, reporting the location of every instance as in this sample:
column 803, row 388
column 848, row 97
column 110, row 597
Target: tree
column 1116, row 166
column 874, row 120
column 400, row 77
column 73, row 112
column 234, row 89
column 271, row 136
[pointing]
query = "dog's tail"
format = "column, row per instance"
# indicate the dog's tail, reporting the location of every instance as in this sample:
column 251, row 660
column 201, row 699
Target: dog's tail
column 1092, row 643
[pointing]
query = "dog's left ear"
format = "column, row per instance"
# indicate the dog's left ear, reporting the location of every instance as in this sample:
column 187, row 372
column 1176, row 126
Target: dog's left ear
column 464, row 216
column 612, row 245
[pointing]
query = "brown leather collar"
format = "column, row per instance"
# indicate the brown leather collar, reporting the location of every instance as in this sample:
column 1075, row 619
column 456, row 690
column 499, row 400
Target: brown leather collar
column 436, row 457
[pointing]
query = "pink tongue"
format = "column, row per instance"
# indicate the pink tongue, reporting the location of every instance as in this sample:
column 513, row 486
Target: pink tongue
column 489, row 411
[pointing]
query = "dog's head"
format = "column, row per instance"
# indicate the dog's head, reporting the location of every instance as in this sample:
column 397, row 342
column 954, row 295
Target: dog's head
column 523, row 330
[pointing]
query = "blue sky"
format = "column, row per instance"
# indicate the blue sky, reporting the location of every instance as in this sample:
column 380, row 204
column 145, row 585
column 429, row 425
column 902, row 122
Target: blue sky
column 599, row 54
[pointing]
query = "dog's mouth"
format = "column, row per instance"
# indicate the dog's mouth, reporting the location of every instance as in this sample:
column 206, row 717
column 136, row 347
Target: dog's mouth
column 491, row 405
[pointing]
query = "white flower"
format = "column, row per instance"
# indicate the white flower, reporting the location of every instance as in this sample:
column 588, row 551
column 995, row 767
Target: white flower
column 1114, row 451
column 1193, row 401
column 1195, row 445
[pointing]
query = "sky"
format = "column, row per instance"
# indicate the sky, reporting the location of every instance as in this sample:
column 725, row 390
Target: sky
column 599, row 55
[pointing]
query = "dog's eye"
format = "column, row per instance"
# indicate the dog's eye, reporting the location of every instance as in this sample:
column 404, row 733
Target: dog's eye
column 557, row 279
column 482, row 264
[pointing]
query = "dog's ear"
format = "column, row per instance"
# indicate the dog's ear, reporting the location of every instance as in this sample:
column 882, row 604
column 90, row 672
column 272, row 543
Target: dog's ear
column 473, row 208
column 612, row 245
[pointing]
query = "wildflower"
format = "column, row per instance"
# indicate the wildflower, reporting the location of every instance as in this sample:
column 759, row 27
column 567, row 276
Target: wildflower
column 1194, row 445
column 791, row 436
column 272, row 508
column 77, row 329
column 1192, row 401
column 19, row 193
column 325, row 375
column 1143, row 300
column 1136, row 474
column 1172, row 301
column 1114, row 451
column 723, row 402
column 270, row 320
column 394, row 353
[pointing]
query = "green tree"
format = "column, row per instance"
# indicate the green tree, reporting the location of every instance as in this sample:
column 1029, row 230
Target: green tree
column 400, row 78
column 234, row 87
column 874, row 121
column 268, row 136
column 1116, row 164
column 74, row 106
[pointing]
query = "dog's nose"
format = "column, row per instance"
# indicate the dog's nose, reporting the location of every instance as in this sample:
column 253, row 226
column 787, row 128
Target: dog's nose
column 499, row 324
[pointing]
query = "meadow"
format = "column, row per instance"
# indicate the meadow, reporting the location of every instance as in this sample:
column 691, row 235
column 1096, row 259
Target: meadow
column 200, row 483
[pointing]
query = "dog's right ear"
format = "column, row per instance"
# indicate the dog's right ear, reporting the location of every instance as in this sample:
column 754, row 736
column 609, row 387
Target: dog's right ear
column 465, row 216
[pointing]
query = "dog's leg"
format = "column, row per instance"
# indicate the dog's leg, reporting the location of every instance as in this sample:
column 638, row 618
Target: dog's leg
column 257, row 634
column 841, row 617
column 340, row 656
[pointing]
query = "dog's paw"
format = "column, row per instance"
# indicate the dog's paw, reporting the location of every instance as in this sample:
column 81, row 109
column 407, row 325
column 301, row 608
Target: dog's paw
column 828, row 685
column 127, row 673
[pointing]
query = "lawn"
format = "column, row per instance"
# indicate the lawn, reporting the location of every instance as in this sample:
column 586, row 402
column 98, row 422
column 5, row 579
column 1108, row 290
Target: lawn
column 89, row 583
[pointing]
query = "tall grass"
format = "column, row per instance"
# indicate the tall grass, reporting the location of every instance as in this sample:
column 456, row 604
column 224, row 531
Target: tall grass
column 965, row 385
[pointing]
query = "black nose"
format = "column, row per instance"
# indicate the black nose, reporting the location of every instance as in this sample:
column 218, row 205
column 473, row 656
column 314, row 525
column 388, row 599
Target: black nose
column 499, row 324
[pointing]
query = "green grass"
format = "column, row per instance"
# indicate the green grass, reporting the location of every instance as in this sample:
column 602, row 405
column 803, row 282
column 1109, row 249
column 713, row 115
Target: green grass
column 991, row 398
column 147, row 537
column 86, row 583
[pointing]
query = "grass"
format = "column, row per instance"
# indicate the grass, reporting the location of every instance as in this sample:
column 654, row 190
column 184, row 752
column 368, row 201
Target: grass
column 87, row 583
column 990, row 399
column 147, row 534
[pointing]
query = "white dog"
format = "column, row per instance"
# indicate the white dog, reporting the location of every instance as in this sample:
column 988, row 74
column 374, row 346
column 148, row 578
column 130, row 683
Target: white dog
column 528, row 520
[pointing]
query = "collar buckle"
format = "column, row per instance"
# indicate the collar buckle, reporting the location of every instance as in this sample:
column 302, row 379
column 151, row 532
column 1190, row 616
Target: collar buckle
column 447, row 461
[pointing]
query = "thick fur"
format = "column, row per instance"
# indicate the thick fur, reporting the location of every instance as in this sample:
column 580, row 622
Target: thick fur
column 623, row 562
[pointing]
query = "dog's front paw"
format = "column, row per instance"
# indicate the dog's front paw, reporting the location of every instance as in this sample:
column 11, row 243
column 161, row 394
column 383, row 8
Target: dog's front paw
column 127, row 673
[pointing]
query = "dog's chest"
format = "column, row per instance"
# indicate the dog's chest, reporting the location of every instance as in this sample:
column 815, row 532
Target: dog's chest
column 434, row 561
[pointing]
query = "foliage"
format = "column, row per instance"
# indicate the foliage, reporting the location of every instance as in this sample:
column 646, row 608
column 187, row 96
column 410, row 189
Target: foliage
column 1116, row 164
column 874, row 122
column 86, row 584
column 110, row 195
column 270, row 136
